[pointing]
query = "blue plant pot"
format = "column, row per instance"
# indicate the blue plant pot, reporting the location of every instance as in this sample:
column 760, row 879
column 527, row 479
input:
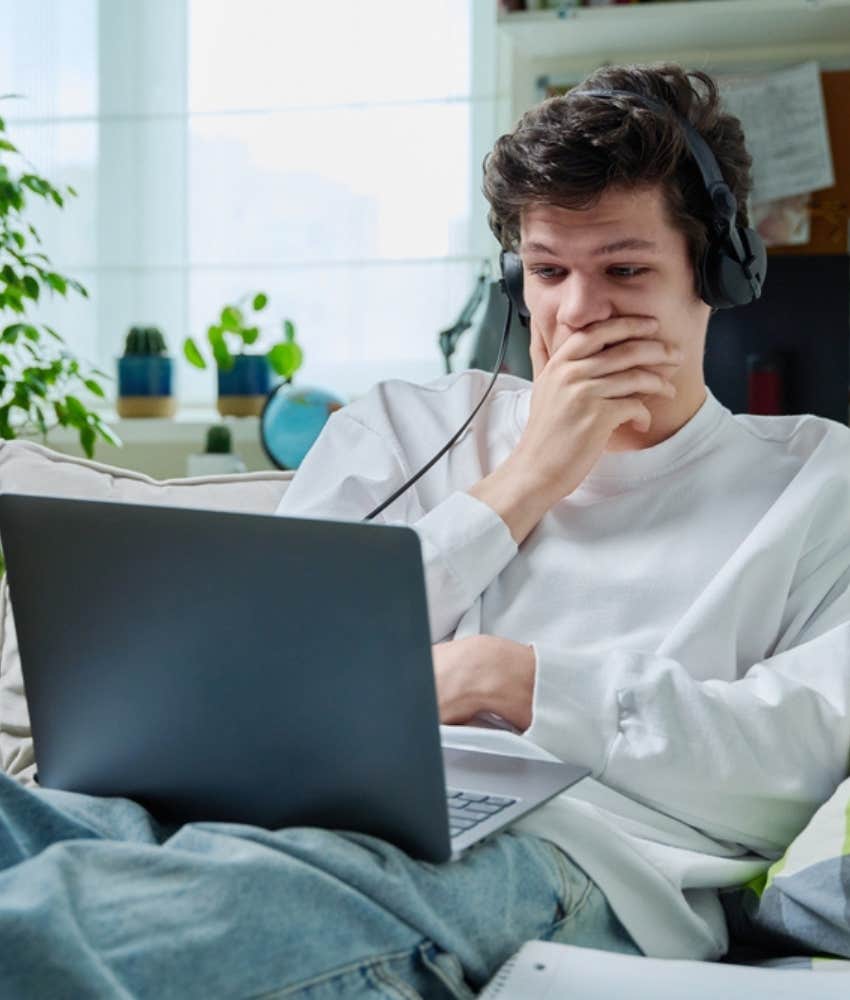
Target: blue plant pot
column 141, row 375
column 145, row 386
column 242, row 391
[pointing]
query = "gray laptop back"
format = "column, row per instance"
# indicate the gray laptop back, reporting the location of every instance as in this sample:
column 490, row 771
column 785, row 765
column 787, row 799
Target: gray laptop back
column 165, row 652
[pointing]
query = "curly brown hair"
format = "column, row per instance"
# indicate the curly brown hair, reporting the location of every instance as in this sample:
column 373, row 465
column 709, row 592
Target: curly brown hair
column 568, row 150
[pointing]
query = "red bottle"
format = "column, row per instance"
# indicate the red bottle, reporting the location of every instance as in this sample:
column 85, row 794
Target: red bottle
column 765, row 388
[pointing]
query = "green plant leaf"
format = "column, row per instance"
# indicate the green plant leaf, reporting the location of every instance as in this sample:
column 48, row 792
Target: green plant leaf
column 94, row 387
column 77, row 413
column 56, row 282
column 31, row 287
column 232, row 319
column 289, row 330
column 12, row 299
column 20, row 239
column 192, row 354
column 11, row 333
column 221, row 352
column 57, row 198
column 223, row 358
column 5, row 144
column 87, row 440
column 71, row 191
column 35, row 383
column 38, row 185
column 260, row 301
column 250, row 335
column 107, row 433
column 52, row 332
column 80, row 289
column 21, row 396
column 285, row 359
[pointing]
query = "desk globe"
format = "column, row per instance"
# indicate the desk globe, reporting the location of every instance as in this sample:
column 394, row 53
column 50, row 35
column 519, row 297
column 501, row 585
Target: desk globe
column 292, row 419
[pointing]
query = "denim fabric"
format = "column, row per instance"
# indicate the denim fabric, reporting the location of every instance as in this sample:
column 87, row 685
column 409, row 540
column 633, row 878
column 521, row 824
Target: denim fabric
column 99, row 900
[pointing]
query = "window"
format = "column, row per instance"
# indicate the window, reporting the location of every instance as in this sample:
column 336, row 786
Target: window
column 328, row 154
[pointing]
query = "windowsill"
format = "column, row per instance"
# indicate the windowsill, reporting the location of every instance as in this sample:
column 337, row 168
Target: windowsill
column 187, row 426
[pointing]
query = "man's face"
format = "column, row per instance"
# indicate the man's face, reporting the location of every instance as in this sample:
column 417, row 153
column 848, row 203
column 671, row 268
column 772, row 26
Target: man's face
column 620, row 258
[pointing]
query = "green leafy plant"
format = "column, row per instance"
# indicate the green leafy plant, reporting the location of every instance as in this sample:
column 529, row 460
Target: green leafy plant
column 237, row 329
column 145, row 340
column 40, row 379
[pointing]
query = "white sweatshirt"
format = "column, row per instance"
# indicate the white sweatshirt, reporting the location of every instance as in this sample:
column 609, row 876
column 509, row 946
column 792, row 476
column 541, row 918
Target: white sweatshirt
column 689, row 607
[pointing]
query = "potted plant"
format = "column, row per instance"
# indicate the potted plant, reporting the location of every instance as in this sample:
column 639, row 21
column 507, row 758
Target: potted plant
column 244, row 379
column 40, row 379
column 145, row 375
column 218, row 457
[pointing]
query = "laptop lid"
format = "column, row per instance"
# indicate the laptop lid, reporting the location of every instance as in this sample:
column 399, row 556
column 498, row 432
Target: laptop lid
column 213, row 665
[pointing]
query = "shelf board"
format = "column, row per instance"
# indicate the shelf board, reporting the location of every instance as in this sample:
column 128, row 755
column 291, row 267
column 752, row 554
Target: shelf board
column 697, row 25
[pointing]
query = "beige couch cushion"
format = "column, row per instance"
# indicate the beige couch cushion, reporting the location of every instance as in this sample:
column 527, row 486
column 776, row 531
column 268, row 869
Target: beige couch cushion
column 31, row 468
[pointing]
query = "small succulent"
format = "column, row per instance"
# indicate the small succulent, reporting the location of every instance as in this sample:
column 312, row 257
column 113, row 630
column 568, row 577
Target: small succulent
column 218, row 440
column 145, row 340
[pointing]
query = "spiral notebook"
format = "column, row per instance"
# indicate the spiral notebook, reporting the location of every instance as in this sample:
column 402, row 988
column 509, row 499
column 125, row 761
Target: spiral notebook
column 541, row 970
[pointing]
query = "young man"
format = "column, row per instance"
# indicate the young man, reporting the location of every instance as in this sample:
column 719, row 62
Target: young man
column 620, row 569
column 631, row 576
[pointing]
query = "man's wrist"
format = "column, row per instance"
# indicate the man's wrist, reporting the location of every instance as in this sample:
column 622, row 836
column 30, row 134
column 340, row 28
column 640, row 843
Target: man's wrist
column 515, row 496
column 510, row 689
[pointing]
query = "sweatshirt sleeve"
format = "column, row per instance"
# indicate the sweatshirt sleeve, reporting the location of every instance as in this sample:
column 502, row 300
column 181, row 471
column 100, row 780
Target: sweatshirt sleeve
column 748, row 760
column 351, row 469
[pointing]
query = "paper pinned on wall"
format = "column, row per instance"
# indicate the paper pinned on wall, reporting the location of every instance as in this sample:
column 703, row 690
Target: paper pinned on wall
column 784, row 119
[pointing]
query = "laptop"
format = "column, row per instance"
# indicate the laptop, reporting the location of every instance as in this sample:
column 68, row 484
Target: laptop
column 247, row 668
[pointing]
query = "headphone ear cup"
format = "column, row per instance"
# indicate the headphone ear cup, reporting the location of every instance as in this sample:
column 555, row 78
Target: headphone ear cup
column 723, row 282
column 512, row 283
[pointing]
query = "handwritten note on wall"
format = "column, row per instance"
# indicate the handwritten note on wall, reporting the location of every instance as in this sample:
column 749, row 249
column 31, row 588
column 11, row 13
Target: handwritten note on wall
column 784, row 121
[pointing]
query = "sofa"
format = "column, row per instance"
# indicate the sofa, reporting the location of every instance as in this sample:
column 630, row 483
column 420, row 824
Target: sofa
column 538, row 970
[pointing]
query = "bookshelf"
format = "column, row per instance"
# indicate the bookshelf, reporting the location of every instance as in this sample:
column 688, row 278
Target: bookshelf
column 715, row 35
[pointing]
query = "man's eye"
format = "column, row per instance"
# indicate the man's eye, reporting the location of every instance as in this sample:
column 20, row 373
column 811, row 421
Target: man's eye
column 547, row 273
column 627, row 272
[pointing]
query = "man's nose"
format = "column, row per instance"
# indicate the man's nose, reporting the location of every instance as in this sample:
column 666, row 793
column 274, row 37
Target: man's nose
column 583, row 301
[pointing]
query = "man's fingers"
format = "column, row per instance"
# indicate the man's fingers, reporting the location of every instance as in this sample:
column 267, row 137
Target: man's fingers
column 630, row 383
column 598, row 336
column 650, row 354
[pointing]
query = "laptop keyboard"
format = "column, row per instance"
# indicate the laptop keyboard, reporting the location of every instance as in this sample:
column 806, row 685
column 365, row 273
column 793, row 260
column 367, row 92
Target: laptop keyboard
column 468, row 809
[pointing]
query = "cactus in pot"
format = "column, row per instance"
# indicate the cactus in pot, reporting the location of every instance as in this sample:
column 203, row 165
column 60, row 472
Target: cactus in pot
column 145, row 375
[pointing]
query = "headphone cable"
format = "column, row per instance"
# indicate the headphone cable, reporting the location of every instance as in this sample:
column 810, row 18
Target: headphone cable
column 453, row 440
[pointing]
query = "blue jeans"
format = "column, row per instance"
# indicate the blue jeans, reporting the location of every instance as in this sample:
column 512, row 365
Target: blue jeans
column 97, row 899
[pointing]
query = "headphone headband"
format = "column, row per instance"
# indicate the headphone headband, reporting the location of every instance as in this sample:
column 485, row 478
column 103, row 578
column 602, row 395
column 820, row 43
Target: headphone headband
column 723, row 201
column 732, row 269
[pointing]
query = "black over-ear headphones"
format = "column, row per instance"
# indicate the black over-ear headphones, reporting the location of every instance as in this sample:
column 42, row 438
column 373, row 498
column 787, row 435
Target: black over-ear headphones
column 734, row 264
